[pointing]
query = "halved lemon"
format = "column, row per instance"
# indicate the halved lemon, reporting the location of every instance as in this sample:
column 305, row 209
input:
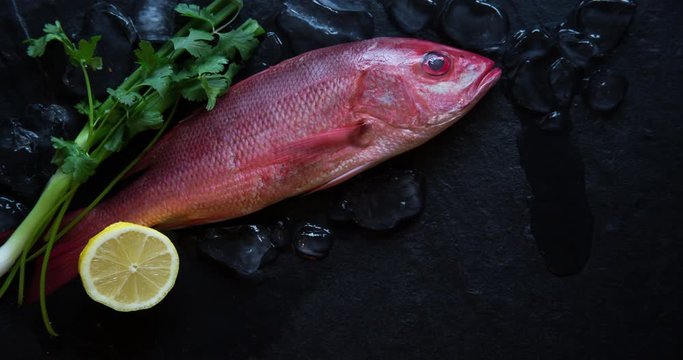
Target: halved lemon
column 128, row 267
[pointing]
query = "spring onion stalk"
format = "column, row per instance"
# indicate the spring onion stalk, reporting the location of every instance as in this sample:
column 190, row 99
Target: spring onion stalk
column 198, row 64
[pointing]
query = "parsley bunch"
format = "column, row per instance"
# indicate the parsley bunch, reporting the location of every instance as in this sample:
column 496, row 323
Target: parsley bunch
column 198, row 64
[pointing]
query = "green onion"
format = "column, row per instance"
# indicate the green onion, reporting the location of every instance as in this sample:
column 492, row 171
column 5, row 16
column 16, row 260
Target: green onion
column 198, row 64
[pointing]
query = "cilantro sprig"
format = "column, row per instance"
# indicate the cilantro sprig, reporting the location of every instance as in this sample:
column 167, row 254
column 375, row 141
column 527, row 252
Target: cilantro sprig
column 199, row 63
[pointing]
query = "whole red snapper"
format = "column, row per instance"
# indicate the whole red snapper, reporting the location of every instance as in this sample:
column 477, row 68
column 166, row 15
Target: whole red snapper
column 306, row 124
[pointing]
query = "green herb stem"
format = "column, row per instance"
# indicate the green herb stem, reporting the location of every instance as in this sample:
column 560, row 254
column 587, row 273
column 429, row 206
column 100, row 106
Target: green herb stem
column 198, row 64
column 91, row 104
column 43, row 269
column 28, row 230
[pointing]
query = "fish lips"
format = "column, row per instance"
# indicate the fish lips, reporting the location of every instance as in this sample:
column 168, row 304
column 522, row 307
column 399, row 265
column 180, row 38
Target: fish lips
column 486, row 82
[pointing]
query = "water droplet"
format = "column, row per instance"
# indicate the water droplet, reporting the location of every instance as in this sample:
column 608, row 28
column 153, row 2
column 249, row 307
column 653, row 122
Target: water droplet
column 411, row 16
column 605, row 90
column 313, row 241
column 475, row 25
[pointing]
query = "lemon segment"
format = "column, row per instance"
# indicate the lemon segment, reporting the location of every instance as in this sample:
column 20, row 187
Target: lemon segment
column 128, row 267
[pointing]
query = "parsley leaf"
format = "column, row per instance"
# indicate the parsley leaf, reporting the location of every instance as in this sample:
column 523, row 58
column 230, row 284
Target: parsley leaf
column 125, row 97
column 147, row 57
column 160, row 79
column 73, row 160
column 36, row 47
column 115, row 142
column 195, row 12
column 213, row 86
column 82, row 107
column 210, row 64
column 84, row 53
column 209, row 87
column 242, row 39
column 195, row 42
column 193, row 90
column 146, row 120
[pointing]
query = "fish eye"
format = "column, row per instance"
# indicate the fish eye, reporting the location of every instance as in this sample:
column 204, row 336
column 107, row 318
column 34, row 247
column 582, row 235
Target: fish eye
column 436, row 64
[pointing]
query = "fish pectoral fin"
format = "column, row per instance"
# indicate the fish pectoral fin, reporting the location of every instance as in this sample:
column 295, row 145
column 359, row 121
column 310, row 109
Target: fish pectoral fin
column 306, row 149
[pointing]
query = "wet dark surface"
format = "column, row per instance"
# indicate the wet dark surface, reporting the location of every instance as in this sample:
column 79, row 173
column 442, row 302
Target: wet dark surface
column 583, row 179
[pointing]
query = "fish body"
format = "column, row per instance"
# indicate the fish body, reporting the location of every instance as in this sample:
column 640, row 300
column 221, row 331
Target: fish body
column 303, row 125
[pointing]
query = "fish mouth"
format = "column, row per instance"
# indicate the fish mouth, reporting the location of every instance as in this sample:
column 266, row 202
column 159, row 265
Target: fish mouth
column 489, row 79
column 483, row 85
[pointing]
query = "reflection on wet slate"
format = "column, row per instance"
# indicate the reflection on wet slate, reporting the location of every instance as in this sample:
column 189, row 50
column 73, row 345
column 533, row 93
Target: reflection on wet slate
column 543, row 75
column 243, row 249
column 554, row 122
column 313, row 241
column 411, row 16
column 154, row 19
column 561, row 219
column 382, row 201
column 475, row 25
column 115, row 47
column 314, row 24
column 605, row 90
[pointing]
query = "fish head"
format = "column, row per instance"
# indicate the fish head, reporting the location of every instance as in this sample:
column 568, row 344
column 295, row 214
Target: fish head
column 420, row 85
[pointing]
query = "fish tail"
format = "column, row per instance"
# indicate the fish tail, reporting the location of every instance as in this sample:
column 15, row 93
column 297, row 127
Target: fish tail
column 5, row 235
column 62, row 266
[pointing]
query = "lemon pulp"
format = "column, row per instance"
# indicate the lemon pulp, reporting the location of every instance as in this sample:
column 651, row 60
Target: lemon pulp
column 128, row 267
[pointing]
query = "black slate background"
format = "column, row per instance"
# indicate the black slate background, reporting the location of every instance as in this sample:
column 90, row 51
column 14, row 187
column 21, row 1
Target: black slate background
column 464, row 280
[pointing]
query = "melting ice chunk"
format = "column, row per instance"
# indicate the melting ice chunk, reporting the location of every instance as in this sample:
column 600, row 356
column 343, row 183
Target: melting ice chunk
column 382, row 201
column 313, row 241
column 243, row 248
column 314, row 24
